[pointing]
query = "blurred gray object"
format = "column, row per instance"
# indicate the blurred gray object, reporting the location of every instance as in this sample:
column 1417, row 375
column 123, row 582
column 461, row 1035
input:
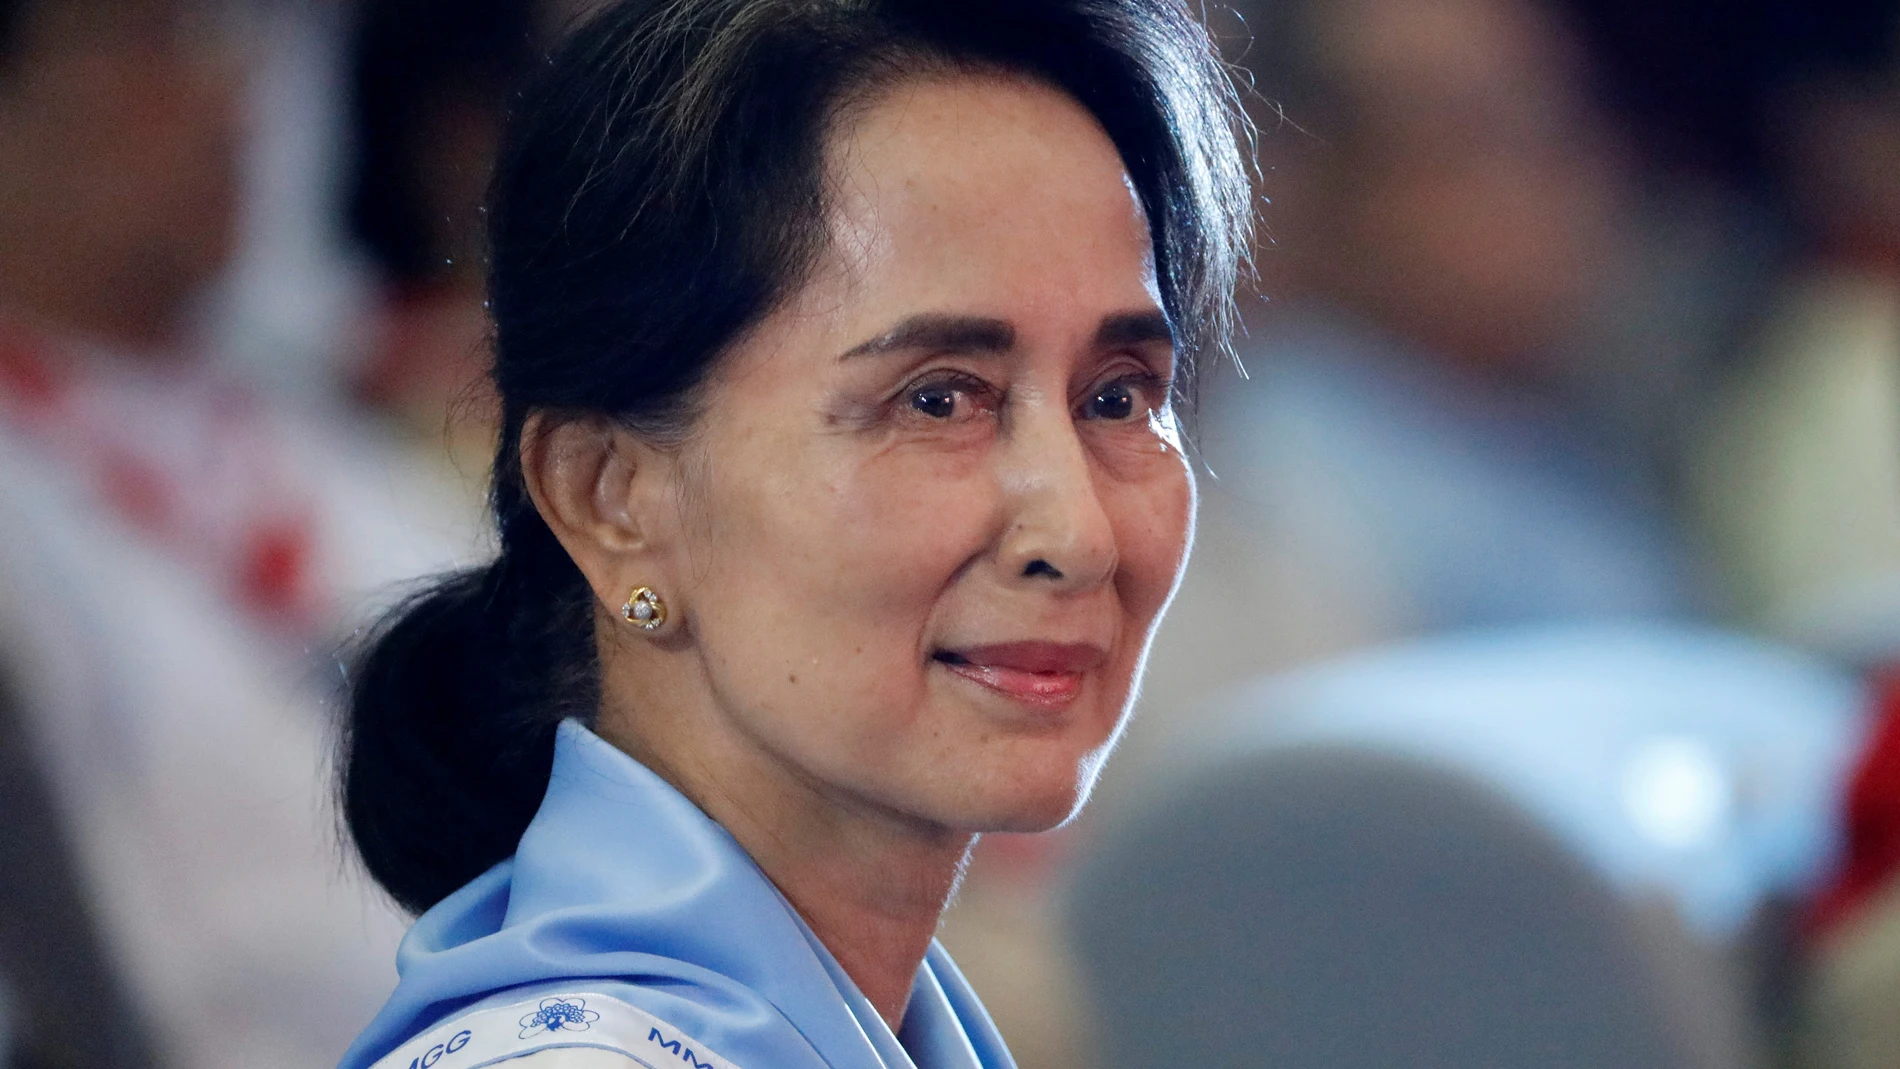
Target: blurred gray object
column 1319, row 906
column 6, row 1022
column 1678, row 762
column 62, row 1002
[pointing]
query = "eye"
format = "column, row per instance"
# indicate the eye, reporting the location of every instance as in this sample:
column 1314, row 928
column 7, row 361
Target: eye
column 1122, row 399
column 937, row 402
column 949, row 397
column 1114, row 401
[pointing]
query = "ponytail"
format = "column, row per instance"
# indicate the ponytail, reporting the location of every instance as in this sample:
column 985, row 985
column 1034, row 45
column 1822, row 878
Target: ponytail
column 453, row 706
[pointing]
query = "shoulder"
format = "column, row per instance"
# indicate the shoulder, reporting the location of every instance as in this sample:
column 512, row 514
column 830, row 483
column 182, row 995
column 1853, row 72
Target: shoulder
column 594, row 1024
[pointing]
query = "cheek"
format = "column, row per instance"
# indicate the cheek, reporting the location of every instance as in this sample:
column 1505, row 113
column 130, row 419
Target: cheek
column 913, row 520
column 824, row 566
column 1154, row 522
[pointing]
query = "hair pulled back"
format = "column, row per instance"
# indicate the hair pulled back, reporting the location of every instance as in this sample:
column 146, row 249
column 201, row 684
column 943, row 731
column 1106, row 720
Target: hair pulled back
column 660, row 188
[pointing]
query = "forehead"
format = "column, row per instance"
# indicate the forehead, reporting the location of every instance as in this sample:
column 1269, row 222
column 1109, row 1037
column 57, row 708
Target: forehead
column 984, row 188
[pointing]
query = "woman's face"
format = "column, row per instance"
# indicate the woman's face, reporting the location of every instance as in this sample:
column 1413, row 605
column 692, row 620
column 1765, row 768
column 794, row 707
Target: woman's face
column 935, row 504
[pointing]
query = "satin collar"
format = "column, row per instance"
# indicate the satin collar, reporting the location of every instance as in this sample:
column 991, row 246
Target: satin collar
column 620, row 877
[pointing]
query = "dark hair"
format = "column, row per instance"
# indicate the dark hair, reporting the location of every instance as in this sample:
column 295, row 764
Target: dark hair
column 1700, row 81
column 10, row 11
column 660, row 188
column 409, row 58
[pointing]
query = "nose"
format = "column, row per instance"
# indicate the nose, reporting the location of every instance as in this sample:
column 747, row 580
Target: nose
column 1059, row 532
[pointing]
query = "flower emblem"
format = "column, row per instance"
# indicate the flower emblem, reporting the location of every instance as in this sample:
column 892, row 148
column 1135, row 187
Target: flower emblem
column 558, row 1015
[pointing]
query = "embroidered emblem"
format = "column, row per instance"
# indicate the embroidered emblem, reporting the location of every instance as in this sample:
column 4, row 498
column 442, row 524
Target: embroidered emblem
column 489, row 1037
column 558, row 1015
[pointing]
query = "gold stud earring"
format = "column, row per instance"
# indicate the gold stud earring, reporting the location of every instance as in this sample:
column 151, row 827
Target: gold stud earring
column 644, row 609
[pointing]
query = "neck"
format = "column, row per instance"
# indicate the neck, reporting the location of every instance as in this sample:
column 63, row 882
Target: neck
column 871, row 883
column 871, row 890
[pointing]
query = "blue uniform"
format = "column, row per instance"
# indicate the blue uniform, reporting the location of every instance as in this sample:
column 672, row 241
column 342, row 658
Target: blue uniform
column 629, row 920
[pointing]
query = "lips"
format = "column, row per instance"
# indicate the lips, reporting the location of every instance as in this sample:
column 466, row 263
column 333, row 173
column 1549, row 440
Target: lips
column 1047, row 674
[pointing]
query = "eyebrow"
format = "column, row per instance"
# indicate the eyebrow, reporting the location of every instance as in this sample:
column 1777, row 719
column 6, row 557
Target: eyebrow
column 979, row 334
column 1134, row 328
column 942, row 333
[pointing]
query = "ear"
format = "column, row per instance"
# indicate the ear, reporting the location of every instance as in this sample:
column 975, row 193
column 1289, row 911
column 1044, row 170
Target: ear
column 587, row 478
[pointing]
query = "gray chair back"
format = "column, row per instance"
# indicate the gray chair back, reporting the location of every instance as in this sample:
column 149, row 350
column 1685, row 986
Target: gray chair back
column 1325, row 907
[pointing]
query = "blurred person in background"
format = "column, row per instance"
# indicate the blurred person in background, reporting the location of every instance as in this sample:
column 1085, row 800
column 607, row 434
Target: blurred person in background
column 1797, row 472
column 1448, row 197
column 1850, row 998
column 177, row 555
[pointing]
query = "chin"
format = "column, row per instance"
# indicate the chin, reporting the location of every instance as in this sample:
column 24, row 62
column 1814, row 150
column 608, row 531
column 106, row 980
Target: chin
column 1032, row 796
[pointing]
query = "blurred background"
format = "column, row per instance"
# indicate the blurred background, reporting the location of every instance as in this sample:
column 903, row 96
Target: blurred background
column 1533, row 697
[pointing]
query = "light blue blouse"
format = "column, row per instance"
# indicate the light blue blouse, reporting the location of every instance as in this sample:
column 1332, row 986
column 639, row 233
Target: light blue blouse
column 629, row 920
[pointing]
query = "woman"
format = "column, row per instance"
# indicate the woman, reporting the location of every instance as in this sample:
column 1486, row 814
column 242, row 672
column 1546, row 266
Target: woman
column 838, row 344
